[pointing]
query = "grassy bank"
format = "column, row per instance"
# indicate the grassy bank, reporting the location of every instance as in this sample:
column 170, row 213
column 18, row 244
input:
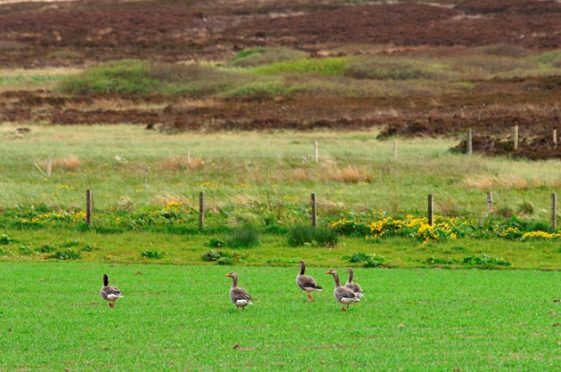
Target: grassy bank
column 51, row 245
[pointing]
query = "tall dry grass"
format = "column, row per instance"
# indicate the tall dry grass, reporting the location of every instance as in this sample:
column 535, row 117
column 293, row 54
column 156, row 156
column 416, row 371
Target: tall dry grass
column 181, row 163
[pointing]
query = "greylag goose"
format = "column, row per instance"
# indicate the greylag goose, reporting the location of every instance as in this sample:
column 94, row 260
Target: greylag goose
column 306, row 282
column 355, row 287
column 239, row 296
column 343, row 295
column 110, row 294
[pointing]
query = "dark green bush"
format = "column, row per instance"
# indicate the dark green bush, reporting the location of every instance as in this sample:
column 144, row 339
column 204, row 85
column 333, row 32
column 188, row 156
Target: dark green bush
column 308, row 235
column 5, row 239
column 367, row 260
column 485, row 261
column 225, row 261
column 216, row 243
column 243, row 237
column 211, row 255
column 66, row 254
column 152, row 255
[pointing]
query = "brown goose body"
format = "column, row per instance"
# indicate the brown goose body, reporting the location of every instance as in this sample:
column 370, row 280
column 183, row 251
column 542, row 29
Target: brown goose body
column 343, row 295
column 307, row 283
column 239, row 296
column 355, row 287
column 108, row 293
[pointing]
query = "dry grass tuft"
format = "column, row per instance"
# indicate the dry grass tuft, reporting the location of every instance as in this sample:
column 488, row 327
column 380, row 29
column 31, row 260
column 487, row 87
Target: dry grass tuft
column 301, row 175
column 69, row 163
column 349, row 174
column 180, row 163
column 513, row 182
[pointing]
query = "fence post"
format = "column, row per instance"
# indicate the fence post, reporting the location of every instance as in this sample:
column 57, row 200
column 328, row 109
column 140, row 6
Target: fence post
column 555, row 138
column 314, row 215
column 554, row 211
column 316, row 151
column 430, row 210
column 469, row 142
column 490, row 202
column 89, row 206
column 202, row 210
column 395, row 151
column 515, row 145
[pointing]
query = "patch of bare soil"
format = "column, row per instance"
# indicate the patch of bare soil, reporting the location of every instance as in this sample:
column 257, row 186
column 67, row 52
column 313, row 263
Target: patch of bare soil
column 535, row 148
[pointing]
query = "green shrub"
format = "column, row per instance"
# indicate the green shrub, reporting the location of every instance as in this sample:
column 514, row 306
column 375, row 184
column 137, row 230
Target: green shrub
column 308, row 235
column 5, row 239
column 120, row 77
column 485, row 261
column 225, row 261
column 367, row 260
column 243, row 237
column 211, row 255
column 262, row 56
column 66, row 254
column 265, row 88
column 152, row 255
column 334, row 66
column 216, row 243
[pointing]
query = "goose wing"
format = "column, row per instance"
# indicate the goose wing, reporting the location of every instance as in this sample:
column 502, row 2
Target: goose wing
column 356, row 288
column 343, row 293
column 239, row 294
column 306, row 281
column 111, row 293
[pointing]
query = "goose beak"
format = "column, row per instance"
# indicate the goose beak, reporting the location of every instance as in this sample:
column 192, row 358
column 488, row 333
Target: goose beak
column 227, row 275
column 328, row 272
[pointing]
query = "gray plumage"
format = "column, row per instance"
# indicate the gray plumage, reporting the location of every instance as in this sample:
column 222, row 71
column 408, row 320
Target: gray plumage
column 355, row 287
column 108, row 293
column 306, row 282
column 343, row 295
column 239, row 296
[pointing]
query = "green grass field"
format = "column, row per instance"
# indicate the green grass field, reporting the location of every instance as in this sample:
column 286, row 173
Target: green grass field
column 180, row 317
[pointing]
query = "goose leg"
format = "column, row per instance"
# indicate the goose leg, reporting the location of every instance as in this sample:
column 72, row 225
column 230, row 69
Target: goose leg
column 344, row 309
column 310, row 298
column 111, row 305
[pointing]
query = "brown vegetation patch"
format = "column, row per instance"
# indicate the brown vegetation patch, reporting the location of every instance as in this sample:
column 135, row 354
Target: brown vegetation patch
column 179, row 163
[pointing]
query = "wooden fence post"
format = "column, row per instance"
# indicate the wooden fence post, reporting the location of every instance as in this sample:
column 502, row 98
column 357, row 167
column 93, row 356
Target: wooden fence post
column 430, row 210
column 395, row 151
column 89, row 206
column 314, row 215
column 202, row 210
column 515, row 145
column 469, row 142
column 554, row 211
column 490, row 202
column 316, row 151
column 555, row 138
